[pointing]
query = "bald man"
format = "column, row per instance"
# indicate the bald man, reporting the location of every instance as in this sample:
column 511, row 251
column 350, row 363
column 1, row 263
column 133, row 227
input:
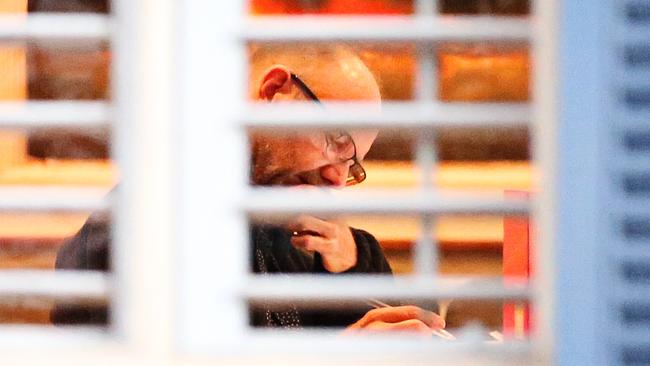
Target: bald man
column 319, row 74
column 317, row 158
column 305, row 244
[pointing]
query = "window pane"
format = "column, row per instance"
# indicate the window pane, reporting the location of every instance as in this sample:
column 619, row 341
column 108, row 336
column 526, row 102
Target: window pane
column 54, row 167
column 481, row 73
column 76, row 6
column 496, row 7
column 331, row 7
column 77, row 72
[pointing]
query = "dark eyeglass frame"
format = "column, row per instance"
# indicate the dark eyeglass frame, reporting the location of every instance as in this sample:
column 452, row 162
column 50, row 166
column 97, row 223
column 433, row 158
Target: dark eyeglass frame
column 356, row 172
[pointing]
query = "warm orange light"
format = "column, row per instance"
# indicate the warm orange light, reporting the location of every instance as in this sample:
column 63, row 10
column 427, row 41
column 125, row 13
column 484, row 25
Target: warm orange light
column 374, row 7
column 357, row 7
column 13, row 81
column 490, row 176
column 13, row 6
column 489, row 76
column 267, row 7
column 13, row 86
column 464, row 75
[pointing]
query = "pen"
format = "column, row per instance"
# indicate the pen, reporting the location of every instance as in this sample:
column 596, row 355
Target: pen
column 438, row 332
column 443, row 306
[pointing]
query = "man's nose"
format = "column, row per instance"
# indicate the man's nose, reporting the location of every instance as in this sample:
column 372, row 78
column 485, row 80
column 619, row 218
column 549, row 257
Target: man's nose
column 335, row 174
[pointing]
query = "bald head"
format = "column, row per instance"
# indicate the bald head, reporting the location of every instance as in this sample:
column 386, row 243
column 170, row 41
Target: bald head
column 332, row 73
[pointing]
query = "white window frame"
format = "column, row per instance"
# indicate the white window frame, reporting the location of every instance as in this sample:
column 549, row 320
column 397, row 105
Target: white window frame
column 141, row 35
column 210, row 91
column 167, row 216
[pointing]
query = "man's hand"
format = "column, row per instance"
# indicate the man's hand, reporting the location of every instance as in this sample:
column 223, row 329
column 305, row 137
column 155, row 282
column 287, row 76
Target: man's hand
column 398, row 318
column 332, row 240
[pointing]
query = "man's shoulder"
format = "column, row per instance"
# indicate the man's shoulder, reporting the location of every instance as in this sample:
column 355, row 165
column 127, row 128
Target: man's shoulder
column 89, row 248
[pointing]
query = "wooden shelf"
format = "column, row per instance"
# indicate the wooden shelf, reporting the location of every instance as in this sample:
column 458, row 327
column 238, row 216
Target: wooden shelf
column 451, row 232
column 492, row 176
column 500, row 175
column 402, row 232
column 60, row 172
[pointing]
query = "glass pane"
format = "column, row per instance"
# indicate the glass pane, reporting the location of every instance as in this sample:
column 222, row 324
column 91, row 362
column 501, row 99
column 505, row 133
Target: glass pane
column 73, row 6
column 481, row 73
column 77, row 72
column 496, row 7
column 54, row 71
column 492, row 160
column 492, row 321
column 49, row 241
column 331, row 7
column 41, row 160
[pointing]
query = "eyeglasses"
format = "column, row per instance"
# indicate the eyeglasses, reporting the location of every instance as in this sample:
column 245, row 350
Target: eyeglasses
column 340, row 145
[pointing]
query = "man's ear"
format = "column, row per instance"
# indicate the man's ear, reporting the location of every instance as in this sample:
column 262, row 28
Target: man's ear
column 276, row 79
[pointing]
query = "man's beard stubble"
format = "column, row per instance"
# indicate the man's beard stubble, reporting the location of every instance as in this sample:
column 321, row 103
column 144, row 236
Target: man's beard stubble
column 269, row 164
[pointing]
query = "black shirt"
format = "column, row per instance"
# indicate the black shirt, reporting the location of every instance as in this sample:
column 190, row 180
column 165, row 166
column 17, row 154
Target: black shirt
column 272, row 254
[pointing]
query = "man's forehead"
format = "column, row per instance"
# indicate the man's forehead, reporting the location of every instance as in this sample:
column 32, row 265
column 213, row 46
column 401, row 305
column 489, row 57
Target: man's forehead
column 345, row 78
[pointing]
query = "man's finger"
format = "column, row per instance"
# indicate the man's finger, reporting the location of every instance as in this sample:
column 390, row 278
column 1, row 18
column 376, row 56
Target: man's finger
column 407, row 326
column 396, row 314
column 411, row 325
column 306, row 223
column 311, row 243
